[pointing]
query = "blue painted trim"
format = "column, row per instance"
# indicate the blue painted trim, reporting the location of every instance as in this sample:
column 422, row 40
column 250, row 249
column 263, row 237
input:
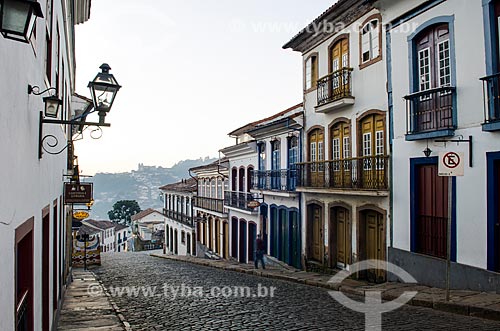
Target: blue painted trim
column 412, row 57
column 493, row 209
column 490, row 40
column 430, row 135
column 413, row 13
column 494, row 126
column 414, row 163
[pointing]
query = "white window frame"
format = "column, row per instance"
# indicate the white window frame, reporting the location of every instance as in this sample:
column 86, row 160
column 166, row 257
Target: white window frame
column 370, row 40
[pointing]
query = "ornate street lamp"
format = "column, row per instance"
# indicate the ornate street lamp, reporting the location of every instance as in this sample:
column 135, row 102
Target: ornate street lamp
column 52, row 106
column 18, row 17
column 103, row 89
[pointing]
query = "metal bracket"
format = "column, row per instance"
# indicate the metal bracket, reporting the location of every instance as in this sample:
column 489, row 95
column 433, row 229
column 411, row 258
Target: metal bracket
column 458, row 141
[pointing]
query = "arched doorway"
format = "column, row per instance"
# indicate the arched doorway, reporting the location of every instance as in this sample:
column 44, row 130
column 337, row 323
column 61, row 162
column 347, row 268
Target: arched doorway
column 316, row 157
column 294, row 239
column 176, row 242
column 340, row 237
column 171, row 240
column 210, row 233
column 252, row 237
column 243, row 241
column 315, row 232
column 234, row 237
column 371, row 243
column 225, row 240
column 274, row 245
column 188, row 243
column 217, row 236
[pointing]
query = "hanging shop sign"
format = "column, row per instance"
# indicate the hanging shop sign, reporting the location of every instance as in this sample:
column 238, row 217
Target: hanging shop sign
column 78, row 193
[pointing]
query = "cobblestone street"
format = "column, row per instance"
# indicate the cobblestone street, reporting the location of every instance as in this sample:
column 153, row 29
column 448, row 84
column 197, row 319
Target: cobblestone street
column 293, row 307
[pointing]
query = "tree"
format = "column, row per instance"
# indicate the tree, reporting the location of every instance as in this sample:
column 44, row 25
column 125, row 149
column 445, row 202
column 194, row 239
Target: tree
column 123, row 210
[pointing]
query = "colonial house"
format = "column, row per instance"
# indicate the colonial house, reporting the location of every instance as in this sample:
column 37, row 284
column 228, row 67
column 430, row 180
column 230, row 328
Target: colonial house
column 443, row 66
column 147, row 222
column 106, row 235
column 212, row 225
column 275, row 180
column 122, row 233
column 244, row 221
column 35, row 225
column 344, row 176
column 180, row 235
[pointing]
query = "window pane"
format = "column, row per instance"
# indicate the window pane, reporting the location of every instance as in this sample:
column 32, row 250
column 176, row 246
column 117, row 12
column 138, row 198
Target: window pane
column 444, row 63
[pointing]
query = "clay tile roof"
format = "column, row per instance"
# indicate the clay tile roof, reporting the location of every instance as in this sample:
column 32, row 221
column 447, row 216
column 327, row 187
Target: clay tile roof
column 120, row 227
column 85, row 229
column 103, row 225
column 143, row 214
column 186, row 185
column 252, row 125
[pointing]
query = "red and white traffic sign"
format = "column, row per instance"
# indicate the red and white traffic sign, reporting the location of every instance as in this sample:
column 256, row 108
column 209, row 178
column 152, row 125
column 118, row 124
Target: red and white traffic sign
column 451, row 164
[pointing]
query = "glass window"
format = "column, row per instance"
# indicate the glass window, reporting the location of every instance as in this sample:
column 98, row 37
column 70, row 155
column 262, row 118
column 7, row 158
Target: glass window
column 370, row 41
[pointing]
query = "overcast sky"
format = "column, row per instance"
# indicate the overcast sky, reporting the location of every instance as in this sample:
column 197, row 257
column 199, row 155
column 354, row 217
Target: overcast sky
column 191, row 71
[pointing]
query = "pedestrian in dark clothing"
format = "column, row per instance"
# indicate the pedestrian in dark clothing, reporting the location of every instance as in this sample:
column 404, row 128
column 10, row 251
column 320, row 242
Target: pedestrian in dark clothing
column 259, row 254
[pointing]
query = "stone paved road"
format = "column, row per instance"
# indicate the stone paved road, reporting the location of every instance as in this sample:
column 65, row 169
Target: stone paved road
column 293, row 307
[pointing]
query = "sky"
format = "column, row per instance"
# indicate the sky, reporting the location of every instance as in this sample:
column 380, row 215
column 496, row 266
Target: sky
column 191, row 70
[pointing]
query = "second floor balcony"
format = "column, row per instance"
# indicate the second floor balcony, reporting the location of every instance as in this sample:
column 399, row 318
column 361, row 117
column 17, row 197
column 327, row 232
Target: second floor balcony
column 238, row 200
column 210, row 204
column 363, row 173
column 335, row 90
column 431, row 113
column 179, row 217
column 491, row 85
column 275, row 180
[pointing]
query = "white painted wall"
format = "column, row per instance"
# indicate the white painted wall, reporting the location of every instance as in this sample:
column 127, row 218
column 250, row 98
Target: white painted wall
column 470, row 66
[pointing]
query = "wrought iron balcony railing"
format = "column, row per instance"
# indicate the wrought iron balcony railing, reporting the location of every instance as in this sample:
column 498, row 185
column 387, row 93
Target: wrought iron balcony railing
column 238, row 200
column 276, row 180
column 430, row 110
column 335, row 86
column 216, row 205
column 363, row 173
column 179, row 217
column 491, row 90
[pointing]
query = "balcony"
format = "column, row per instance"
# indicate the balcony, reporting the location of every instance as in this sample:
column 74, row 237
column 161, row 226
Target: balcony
column 215, row 205
column 364, row 173
column 179, row 217
column 275, row 180
column 491, row 91
column 431, row 113
column 238, row 200
column 335, row 91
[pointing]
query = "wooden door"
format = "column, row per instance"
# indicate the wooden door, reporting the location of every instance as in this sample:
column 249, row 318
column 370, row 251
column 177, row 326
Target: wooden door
column 431, row 211
column 234, row 238
column 341, row 236
column 316, row 157
column 317, row 233
column 274, row 232
column 243, row 242
column 339, row 60
column 433, row 111
column 252, row 237
column 210, row 234
column 285, row 238
column 225, row 240
column 217, row 236
column 341, row 154
column 372, row 166
column 295, row 240
column 45, row 272
column 24, row 305
column 375, row 244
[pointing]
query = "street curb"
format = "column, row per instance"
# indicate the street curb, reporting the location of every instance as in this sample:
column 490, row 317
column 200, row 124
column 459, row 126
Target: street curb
column 126, row 325
column 448, row 307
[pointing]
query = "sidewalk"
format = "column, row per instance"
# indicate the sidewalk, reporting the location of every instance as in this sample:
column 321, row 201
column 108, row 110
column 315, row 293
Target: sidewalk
column 87, row 306
column 483, row 305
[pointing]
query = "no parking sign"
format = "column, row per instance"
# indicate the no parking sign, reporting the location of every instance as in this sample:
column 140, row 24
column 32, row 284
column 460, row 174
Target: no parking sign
column 451, row 164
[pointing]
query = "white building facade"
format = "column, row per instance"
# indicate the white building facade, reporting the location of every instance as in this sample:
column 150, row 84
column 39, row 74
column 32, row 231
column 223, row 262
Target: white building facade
column 180, row 235
column 35, row 226
column 275, row 182
column 344, row 176
column 244, row 220
column 442, row 57
column 212, row 225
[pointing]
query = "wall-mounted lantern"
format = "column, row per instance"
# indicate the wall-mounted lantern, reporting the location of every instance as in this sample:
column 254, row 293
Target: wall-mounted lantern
column 103, row 89
column 18, row 17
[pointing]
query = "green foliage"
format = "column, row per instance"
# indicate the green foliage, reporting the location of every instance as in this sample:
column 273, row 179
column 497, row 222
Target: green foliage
column 123, row 210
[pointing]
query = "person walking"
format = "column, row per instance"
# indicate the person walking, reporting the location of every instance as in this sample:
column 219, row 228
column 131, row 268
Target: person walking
column 259, row 254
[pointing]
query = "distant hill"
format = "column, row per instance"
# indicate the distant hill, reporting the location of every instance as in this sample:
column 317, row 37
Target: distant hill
column 140, row 185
